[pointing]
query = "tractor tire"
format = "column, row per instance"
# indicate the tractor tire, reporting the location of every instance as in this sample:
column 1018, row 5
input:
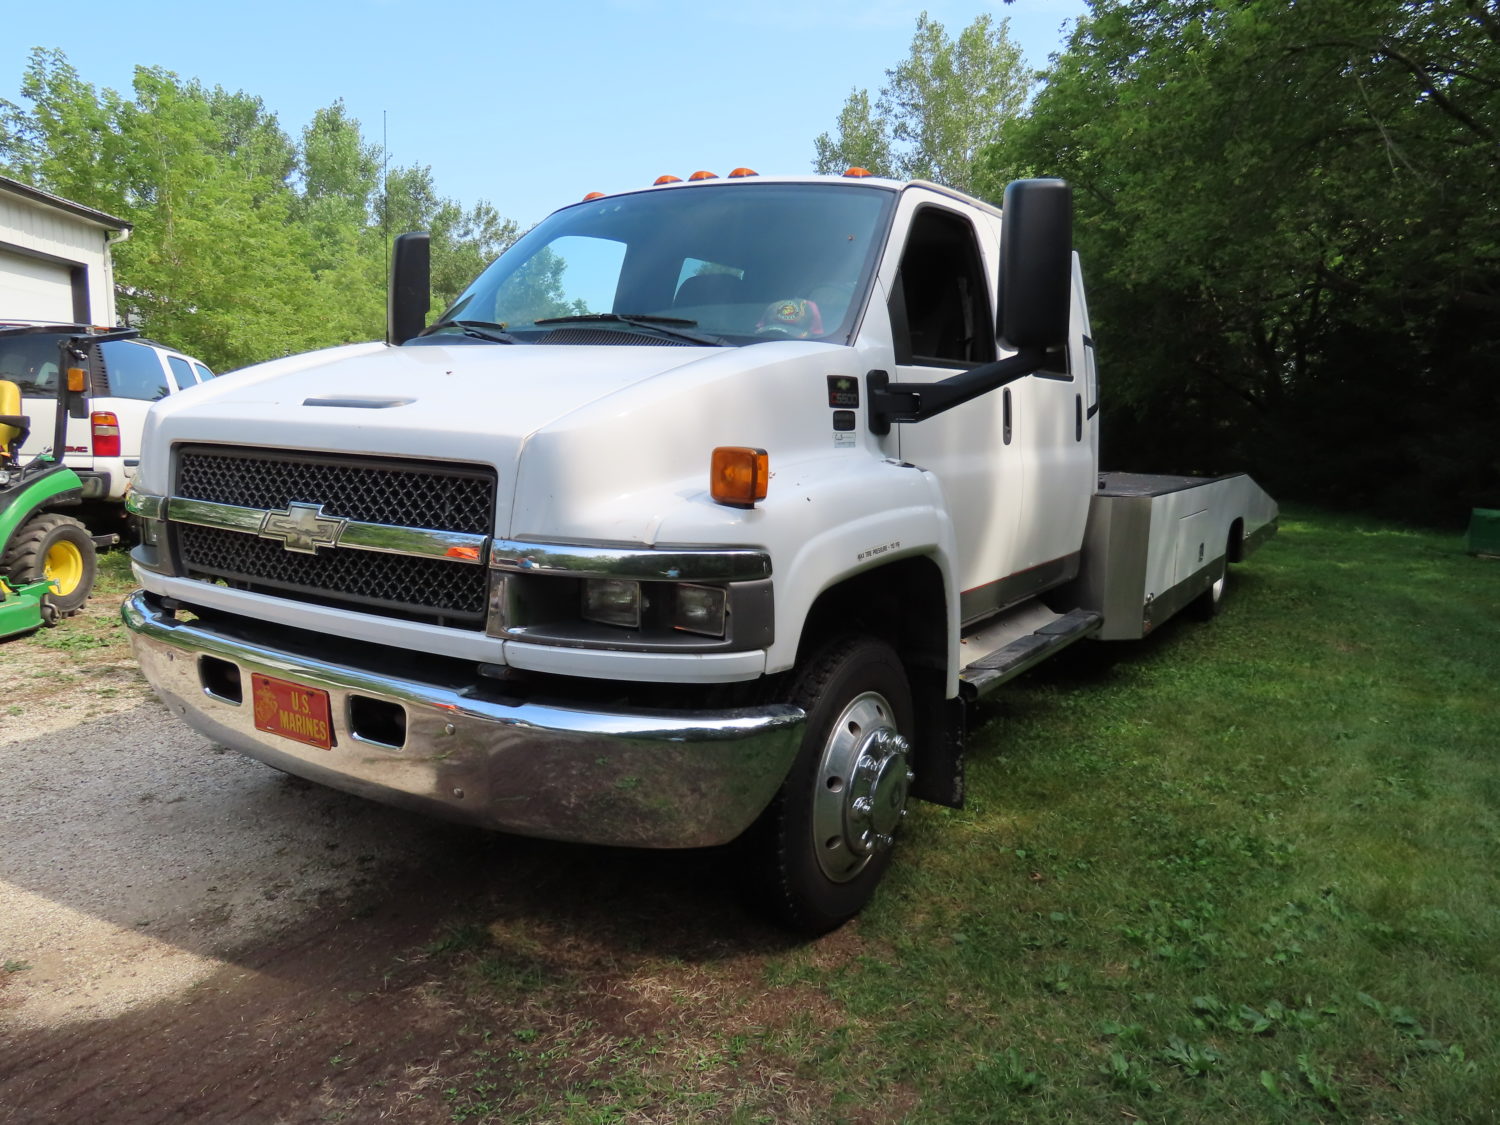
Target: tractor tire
column 59, row 548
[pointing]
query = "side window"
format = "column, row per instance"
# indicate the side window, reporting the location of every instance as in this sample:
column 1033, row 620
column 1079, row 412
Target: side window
column 182, row 372
column 940, row 312
column 132, row 370
column 204, row 374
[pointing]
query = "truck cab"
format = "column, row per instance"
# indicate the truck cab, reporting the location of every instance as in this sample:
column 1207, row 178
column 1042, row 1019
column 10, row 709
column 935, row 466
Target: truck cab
column 700, row 517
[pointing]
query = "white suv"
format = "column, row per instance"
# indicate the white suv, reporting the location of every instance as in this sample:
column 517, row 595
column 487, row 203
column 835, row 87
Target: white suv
column 104, row 433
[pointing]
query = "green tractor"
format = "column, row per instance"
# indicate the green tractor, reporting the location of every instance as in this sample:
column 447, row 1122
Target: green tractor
column 47, row 559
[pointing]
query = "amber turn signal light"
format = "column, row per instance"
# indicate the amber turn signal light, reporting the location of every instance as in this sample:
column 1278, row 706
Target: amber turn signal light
column 738, row 476
column 76, row 377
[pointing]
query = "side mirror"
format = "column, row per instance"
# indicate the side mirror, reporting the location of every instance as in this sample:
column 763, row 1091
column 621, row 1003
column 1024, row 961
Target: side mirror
column 1036, row 264
column 411, row 288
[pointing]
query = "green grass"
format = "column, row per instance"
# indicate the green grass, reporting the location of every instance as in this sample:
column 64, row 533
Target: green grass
column 1240, row 871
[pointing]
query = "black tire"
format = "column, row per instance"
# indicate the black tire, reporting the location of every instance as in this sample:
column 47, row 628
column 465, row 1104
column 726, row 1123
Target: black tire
column 62, row 544
column 813, row 859
column 1207, row 605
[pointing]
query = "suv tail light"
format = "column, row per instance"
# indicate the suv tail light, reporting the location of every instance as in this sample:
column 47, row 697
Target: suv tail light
column 106, row 429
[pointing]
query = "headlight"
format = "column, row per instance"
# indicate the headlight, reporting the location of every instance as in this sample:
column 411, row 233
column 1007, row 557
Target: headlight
column 700, row 609
column 612, row 601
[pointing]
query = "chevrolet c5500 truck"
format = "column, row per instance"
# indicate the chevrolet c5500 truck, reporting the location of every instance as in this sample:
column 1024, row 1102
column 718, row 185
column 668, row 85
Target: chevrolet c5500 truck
column 701, row 517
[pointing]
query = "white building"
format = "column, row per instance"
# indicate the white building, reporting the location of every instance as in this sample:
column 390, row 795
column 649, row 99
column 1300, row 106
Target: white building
column 54, row 258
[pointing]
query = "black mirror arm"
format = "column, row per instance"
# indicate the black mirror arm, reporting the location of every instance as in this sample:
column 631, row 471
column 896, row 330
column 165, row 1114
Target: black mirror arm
column 915, row 402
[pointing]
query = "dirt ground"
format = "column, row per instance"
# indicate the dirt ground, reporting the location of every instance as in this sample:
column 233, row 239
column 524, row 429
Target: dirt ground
column 187, row 935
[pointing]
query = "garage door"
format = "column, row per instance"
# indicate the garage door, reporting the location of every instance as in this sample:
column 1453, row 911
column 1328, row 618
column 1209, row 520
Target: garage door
column 34, row 290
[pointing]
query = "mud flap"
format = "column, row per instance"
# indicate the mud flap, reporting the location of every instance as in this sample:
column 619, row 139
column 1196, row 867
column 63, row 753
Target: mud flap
column 939, row 764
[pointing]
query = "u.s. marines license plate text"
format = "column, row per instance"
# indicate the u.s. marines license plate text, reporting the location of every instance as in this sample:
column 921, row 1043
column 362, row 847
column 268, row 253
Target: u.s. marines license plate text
column 292, row 711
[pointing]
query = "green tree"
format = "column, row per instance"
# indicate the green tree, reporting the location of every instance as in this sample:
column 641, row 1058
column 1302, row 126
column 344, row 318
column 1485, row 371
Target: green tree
column 245, row 245
column 1287, row 219
column 940, row 106
column 463, row 241
column 861, row 140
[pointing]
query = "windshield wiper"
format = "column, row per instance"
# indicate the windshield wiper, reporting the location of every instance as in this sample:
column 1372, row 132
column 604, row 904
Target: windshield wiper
column 666, row 325
column 478, row 329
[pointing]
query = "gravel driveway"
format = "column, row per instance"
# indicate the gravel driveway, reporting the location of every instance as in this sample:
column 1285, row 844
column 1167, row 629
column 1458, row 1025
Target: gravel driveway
column 135, row 856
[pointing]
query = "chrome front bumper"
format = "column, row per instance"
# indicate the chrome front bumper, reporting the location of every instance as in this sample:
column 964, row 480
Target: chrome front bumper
column 658, row 779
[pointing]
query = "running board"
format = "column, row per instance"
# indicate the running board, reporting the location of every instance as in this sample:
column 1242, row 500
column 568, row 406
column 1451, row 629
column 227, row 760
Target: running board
column 1009, row 661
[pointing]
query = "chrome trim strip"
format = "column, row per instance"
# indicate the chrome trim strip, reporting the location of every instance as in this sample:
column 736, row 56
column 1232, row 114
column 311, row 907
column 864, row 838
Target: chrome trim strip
column 145, row 505
column 539, row 767
column 728, row 564
column 384, row 538
column 225, row 517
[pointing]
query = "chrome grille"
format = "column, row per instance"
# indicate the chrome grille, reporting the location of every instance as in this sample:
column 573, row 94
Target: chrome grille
column 403, row 494
column 375, row 490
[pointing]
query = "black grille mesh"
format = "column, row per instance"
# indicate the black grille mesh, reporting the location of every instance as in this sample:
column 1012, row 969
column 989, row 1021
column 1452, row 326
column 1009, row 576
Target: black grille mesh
column 366, row 578
column 444, row 498
column 440, row 497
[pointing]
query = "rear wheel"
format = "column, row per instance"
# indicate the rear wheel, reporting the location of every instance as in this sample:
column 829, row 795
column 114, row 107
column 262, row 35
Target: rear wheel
column 58, row 549
column 1208, row 604
column 816, row 855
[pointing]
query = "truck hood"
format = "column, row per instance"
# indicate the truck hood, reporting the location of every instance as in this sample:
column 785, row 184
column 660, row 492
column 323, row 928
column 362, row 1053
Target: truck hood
column 469, row 403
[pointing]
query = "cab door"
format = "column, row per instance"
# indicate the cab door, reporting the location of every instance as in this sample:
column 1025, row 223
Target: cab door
column 942, row 317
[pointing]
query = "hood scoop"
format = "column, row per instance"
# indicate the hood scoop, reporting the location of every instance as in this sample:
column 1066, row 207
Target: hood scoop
column 358, row 402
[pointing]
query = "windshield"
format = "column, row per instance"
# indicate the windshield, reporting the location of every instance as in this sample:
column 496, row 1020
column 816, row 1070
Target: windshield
column 30, row 361
column 719, row 264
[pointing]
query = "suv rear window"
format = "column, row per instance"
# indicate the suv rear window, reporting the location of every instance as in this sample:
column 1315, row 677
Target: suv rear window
column 133, row 370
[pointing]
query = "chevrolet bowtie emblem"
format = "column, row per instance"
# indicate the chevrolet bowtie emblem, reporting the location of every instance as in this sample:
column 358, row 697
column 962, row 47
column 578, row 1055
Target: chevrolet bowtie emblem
column 303, row 528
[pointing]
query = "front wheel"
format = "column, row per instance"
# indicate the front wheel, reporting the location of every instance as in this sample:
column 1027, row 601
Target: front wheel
column 58, row 549
column 816, row 855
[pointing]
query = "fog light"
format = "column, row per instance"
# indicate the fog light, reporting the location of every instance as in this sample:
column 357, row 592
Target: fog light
column 700, row 609
column 612, row 601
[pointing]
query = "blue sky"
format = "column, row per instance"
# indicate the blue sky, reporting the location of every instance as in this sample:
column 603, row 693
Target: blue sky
column 528, row 106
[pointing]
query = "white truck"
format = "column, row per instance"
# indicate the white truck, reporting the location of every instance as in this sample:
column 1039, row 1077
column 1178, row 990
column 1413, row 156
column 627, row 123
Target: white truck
column 56, row 269
column 701, row 517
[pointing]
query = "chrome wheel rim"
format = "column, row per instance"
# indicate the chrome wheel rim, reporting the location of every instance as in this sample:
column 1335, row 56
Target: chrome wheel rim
column 863, row 780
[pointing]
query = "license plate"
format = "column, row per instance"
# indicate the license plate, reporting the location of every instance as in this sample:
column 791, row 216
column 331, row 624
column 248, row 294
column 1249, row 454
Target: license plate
column 292, row 711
